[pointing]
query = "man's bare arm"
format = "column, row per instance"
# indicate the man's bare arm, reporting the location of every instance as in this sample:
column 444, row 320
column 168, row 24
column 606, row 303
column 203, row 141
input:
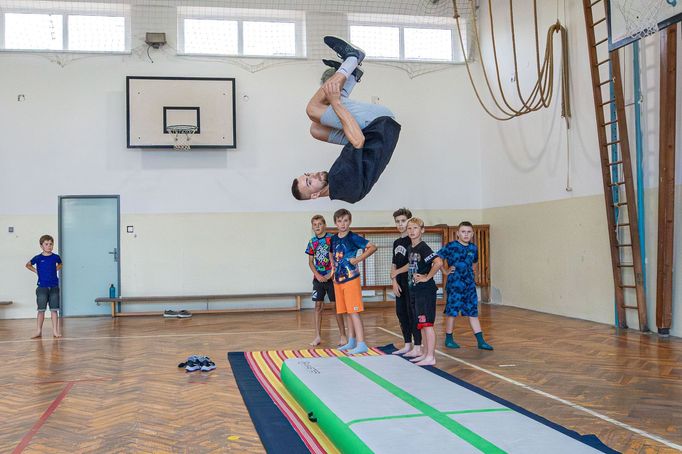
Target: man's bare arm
column 351, row 128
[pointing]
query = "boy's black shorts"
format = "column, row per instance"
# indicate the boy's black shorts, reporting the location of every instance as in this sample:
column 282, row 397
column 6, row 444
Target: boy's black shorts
column 320, row 289
column 45, row 296
column 425, row 307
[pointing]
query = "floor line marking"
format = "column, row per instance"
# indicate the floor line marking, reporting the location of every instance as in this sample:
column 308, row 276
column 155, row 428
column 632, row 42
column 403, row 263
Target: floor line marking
column 224, row 333
column 556, row 398
column 36, row 427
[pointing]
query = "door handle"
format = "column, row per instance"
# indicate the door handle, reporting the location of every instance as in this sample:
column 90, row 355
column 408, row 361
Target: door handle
column 115, row 254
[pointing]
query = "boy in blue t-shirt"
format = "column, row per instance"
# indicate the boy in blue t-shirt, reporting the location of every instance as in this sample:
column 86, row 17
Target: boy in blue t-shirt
column 321, row 266
column 460, row 257
column 46, row 267
column 344, row 257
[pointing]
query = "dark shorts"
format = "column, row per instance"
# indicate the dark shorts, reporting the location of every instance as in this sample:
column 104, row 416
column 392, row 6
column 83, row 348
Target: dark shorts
column 45, row 296
column 425, row 307
column 320, row 289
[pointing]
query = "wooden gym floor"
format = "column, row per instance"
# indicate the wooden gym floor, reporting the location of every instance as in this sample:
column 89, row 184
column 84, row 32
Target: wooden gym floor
column 113, row 385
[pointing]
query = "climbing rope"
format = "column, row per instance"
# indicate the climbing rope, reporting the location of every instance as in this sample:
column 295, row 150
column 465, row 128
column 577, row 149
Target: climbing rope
column 543, row 89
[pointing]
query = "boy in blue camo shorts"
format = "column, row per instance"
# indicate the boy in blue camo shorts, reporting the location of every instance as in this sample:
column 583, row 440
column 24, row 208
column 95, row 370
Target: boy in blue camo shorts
column 459, row 257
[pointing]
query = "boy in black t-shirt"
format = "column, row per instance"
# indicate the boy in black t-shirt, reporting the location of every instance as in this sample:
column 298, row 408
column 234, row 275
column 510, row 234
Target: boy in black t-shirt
column 423, row 264
column 403, row 309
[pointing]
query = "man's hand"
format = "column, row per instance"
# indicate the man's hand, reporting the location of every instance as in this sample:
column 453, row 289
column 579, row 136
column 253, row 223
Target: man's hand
column 419, row 278
column 394, row 273
column 354, row 261
column 397, row 291
column 332, row 88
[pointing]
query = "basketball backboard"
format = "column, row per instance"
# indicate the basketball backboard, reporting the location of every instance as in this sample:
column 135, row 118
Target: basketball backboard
column 626, row 17
column 156, row 103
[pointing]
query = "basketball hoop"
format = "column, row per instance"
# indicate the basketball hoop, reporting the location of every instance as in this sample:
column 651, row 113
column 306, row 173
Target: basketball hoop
column 178, row 131
column 641, row 16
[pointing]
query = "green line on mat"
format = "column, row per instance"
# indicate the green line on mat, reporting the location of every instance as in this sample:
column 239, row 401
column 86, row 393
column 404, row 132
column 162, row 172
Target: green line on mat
column 417, row 415
column 441, row 418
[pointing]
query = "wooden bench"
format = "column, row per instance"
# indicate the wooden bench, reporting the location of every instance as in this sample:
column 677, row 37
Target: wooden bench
column 116, row 302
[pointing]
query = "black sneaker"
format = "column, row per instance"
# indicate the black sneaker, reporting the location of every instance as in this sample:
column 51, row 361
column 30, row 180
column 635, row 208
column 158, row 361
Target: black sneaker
column 184, row 314
column 207, row 365
column 343, row 49
column 193, row 365
column 170, row 314
column 336, row 65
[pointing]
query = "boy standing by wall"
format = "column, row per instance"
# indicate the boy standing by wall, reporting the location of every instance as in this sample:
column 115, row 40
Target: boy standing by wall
column 46, row 266
column 403, row 308
column 318, row 260
column 460, row 257
column 344, row 248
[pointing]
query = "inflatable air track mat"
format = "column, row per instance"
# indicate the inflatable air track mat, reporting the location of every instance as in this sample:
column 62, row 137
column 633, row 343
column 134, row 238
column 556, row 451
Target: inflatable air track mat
column 385, row 404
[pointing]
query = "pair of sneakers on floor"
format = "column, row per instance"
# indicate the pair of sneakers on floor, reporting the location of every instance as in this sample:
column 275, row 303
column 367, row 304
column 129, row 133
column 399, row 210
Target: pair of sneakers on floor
column 198, row 362
column 177, row 314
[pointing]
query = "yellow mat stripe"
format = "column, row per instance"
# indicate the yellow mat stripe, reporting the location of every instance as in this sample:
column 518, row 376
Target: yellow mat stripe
column 273, row 355
column 296, row 408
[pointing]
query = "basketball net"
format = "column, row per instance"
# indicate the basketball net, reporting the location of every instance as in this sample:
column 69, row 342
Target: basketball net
column 641, row 16
column 178, row 131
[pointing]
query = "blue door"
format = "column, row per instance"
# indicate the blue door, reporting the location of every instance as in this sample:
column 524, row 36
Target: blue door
column 89, row 247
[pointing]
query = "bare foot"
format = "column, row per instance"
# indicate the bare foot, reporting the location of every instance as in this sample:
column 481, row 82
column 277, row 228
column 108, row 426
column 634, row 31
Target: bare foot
column 427, row 362
column 316, row 342
column 37, row 335
column 407, row 348
column 413, row 353
column 342, row 341
column 418, row 359
column 57, row 335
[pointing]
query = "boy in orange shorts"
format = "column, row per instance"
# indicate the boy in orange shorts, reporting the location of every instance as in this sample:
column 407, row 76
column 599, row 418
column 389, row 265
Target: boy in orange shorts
column 344, row 249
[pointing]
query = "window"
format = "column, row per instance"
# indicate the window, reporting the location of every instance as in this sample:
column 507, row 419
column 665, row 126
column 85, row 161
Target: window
column 96, row 33
column 406, row 38
column 377, row 42
column 232, row 31
column 211, row 37
column 83, row 28
column 33, row 31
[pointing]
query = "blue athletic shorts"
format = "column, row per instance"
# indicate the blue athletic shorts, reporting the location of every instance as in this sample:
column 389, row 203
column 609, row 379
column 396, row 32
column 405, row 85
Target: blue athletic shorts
column 363, row 113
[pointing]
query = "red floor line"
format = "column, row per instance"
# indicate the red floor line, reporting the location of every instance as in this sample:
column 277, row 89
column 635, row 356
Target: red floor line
column 36, row 427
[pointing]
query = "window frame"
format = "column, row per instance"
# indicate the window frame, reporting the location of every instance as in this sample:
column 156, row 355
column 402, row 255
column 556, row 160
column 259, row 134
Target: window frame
column 241, row 15
column 74, row 9
column 403, row 22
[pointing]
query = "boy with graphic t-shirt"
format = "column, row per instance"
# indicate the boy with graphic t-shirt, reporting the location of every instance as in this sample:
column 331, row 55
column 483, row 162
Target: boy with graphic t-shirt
column 46, row 266
column 403, row 309
column 344, row 257
column 423, row 264
column 320, row 264
column 459, row 257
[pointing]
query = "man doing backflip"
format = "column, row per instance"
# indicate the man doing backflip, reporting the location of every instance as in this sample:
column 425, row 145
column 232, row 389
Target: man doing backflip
column 368, row 133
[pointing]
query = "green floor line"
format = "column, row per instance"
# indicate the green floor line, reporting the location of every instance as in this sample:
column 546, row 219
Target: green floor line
column 441, row 418
column 417, row 415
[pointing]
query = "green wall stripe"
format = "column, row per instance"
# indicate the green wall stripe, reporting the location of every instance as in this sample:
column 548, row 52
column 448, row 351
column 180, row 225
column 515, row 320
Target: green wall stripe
column 441, row 418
